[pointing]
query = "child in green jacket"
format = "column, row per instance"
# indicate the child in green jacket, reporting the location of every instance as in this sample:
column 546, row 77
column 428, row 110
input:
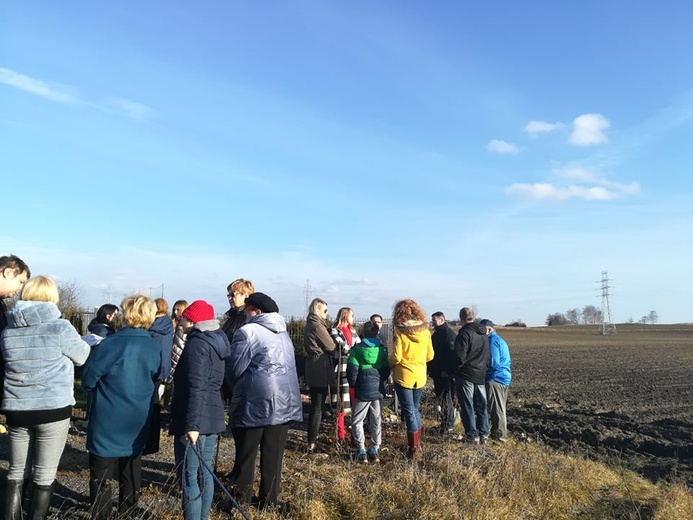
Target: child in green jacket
column 367, row 370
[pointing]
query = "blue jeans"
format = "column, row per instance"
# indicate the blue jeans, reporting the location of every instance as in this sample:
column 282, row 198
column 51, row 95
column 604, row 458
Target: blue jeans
column 409, row 399
column 473, row 409
column 197, row 484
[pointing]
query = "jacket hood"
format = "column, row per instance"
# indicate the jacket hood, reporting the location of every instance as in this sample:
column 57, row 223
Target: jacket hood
column 272, row 321
column 162, row 326
column 27, row 313
column 476, row 327
column 214, row 337
column 411, row 328
column 368, row 350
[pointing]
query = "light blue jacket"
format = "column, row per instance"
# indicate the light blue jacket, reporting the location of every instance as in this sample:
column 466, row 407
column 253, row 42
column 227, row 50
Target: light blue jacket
column 499, row 367
column 40, row 352
column 262, row 370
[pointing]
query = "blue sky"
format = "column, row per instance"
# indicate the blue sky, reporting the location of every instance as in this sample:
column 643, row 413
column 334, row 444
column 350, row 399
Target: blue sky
column 500, row 153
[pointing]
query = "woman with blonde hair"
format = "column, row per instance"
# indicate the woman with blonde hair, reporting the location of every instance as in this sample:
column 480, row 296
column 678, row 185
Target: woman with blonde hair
column 120, row 375
column 412, row 349
column 319, row 371
column 40, row 352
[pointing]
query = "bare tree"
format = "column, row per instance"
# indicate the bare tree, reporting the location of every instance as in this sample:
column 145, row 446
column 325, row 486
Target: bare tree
column 653, row 317
column 591, row 315
column 573, row 316
column 70, row 295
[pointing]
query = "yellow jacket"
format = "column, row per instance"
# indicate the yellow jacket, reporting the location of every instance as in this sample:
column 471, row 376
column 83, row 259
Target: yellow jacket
column 412, row 350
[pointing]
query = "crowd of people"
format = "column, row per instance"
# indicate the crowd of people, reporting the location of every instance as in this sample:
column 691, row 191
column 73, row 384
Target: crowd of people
column 247, row 363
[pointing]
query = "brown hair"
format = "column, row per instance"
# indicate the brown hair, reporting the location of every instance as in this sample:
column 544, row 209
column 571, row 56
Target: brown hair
column 161, row 306
column 342, row 317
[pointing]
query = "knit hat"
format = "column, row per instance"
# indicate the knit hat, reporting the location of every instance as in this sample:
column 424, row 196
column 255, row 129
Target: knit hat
column 199, row 310
column 487, row 323
column 262, row 302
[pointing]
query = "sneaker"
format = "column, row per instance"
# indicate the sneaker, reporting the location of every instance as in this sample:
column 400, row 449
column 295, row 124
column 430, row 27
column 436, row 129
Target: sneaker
column 473, row 440
column 373, row 455
column 362, row 457
column 484, row 440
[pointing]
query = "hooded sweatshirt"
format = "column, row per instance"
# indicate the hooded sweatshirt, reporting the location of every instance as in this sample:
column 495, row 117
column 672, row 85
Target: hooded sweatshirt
column 40, row 352
column 162, row 332
column 262, row 369
column 197, row 404
column 472, row 353
column 411, row 351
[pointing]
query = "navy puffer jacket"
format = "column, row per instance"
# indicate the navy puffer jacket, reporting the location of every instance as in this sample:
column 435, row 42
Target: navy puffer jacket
column 197, row 404
column 262, row 369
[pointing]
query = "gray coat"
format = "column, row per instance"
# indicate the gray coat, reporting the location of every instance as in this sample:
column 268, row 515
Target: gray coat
column 262, row 370
column 319, row 348
column 40, row 352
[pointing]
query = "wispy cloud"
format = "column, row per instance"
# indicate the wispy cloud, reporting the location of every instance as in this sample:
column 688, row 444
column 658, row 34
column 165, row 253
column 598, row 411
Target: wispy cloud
column 51, row 92
column 588, row 129
column 130, row 108
column 545, row 191
column 541, row 127
column 502, row 147
column 35, row 86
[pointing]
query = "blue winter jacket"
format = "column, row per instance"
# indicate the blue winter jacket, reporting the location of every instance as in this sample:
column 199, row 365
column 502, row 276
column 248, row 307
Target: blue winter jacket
column 197, row 404
column 40, row 352
column 262, row 370
column 499, row 366
column 367, row 369
column 162, row 332
column 120, row 375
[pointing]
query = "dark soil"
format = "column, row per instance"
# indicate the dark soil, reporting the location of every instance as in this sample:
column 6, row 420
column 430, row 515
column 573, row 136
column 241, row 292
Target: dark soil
column 626, row 398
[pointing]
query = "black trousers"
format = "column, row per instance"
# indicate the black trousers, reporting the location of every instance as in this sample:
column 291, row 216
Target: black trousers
column 271, row 440
column 101, row 471
column 317, row 400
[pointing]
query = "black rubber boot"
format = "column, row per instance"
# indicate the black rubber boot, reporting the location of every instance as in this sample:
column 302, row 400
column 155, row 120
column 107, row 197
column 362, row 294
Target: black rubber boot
column 13, row 500
column 40, row 502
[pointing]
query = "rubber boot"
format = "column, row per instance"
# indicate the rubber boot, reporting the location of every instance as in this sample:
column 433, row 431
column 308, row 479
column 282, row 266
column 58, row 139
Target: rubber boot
column 26, row 496
column 13, row 500
column 40, row 502
column 414, row 441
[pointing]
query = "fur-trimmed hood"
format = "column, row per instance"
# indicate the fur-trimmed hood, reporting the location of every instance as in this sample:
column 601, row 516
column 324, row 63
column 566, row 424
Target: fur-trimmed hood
column 411, row 327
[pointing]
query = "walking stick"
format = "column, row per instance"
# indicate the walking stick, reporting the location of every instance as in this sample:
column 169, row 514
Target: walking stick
column 216, row 453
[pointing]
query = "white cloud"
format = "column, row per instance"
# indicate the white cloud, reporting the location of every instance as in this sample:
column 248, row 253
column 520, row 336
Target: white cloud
column 131, row 108
column 34, row 86
column 502, row 147
column 541, row 127
column 546, row 191
column 588, row 129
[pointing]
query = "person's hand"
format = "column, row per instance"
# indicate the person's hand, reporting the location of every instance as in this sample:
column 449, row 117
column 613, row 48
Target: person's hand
column 192, row 436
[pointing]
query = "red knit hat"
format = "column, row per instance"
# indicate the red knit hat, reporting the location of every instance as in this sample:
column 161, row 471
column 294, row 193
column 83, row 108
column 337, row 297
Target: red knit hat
column 199, row 310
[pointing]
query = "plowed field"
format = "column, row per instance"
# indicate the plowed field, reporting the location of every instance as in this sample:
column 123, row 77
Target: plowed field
column 627, row 397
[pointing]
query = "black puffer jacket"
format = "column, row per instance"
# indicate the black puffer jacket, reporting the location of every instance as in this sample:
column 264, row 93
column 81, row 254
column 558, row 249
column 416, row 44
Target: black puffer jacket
column 197, row 381
column 472, row 353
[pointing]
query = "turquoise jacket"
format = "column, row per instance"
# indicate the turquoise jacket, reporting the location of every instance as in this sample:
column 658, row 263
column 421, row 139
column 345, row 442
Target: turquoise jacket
column 120, row 375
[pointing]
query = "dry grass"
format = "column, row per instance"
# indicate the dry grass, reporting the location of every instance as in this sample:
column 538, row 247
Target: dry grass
column 512, row 481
